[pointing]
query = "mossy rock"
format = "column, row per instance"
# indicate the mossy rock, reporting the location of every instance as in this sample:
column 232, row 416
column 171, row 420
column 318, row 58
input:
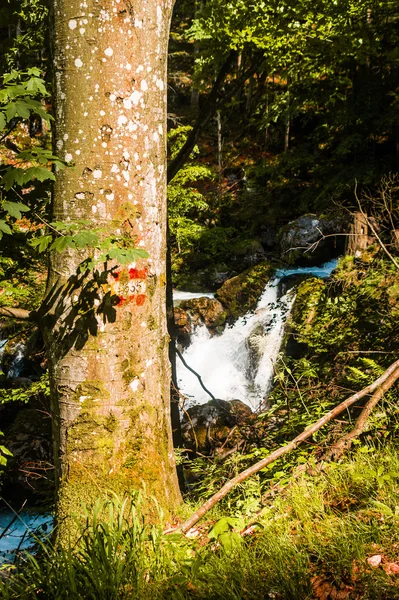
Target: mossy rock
column 241, row 293
column 306, row 302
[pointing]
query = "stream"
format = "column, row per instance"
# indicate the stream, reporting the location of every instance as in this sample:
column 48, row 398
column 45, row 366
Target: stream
column 239, row 363
column 17, row 531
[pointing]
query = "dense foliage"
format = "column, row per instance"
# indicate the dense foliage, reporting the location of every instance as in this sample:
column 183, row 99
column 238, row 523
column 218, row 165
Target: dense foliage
column 305, row 118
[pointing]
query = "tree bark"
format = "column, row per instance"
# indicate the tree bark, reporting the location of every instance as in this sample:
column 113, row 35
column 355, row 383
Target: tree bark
column 378, row 383
column 106, row 332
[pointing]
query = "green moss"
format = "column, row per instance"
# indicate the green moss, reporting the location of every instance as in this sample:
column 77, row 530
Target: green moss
column 241, row 293
column 306, row 301
column 111, row 423
column 152, row 323
column 152, row 285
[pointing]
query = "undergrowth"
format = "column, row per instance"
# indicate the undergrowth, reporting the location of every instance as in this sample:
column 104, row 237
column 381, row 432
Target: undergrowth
column 311, row 541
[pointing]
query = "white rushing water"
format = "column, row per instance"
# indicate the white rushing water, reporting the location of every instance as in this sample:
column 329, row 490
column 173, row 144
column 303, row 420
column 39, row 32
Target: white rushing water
column 239, row 363
column 18, row 361
column 179, row 296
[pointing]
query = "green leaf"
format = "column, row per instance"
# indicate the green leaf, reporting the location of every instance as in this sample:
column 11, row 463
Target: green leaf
column 62, row 243
column 3, row 120
column 11, row 111
column 23, row 109
column 4, row 227
column 39, row 173
column 13, row 176
column 42, row 242
column 15, row 209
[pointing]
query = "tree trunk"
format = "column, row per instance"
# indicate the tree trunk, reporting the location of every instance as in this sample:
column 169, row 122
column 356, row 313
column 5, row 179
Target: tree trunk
column 358, row 239
column 105, row 332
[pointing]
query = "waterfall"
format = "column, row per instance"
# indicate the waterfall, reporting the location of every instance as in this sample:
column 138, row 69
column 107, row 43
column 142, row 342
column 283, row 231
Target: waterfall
column 239, row 363
column 18, row 361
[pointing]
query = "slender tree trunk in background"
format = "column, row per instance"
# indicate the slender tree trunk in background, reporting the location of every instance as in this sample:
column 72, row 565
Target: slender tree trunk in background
column 288, row 119
column 106, row 334
column 195, row 91
column 220, row 152
column 250, row 93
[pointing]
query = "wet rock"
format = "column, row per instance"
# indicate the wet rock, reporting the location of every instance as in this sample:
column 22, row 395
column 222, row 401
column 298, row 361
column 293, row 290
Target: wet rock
column 255, row 343
column 23, row 357
column 240, row 294
column 191, row 313
column 206, row 427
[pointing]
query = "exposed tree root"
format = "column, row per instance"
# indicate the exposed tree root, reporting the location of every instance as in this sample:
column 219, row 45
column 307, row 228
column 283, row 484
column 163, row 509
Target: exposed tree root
column 388, row 378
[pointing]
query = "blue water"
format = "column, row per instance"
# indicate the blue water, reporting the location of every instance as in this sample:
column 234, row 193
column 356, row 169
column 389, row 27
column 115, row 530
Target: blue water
column 19, row 534
column 322, row 271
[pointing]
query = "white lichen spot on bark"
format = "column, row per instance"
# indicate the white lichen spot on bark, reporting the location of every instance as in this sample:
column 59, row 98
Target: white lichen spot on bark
column 97, row 173
column 108, row 52
column 78, row 63
column 68, row 157
column 134, row 385
column 72, row 24
column 144, row 85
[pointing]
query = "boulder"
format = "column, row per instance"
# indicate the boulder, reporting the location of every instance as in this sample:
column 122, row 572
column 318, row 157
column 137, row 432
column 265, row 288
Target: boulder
column 247, row 253
column 241, row 293
column 297, row 237
column 191, row 313
column 206, row 426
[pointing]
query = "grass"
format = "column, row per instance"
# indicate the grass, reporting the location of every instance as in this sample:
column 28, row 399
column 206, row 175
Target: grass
column 312, row 542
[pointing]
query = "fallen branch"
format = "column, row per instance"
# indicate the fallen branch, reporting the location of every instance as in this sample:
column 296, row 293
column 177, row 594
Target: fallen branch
column 345, row 442
column 285, row 449
column 17, row 313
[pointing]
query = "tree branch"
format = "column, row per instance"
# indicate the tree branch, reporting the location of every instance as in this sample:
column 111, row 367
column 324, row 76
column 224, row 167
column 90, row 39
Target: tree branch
column 373, row 229
column 179, row 354
column 17, row 313
column 345, row 443
column 285, row 449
